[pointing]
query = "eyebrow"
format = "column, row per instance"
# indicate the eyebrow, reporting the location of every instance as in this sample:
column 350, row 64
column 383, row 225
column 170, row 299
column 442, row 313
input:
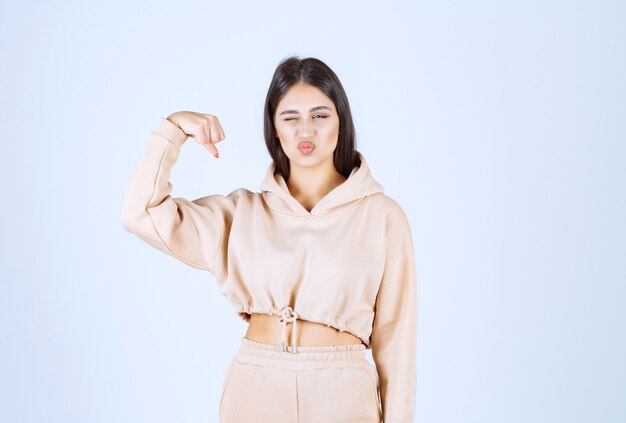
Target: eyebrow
column 284, row 112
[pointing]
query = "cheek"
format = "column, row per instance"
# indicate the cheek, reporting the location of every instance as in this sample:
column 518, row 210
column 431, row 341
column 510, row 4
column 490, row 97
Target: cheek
column 284, row 130
column 333, row 127
column 331, row 130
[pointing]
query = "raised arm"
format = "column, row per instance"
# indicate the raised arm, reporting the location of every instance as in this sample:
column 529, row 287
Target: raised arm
column 394, row 330
column 190, row 231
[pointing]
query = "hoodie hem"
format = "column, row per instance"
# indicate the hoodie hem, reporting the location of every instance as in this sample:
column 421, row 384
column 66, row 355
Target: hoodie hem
column 244, row 310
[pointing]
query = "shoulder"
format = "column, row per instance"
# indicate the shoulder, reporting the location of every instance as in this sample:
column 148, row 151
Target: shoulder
column 234, row 195
column 242, row 192
column 397, row 226
column 229, row 201
column 390, row 207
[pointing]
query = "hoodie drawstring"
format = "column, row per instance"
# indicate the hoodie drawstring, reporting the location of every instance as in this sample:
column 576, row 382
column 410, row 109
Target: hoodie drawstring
column 287, row 315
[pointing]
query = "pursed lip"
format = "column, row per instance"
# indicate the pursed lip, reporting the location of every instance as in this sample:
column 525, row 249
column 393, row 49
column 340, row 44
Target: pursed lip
column 306, row 144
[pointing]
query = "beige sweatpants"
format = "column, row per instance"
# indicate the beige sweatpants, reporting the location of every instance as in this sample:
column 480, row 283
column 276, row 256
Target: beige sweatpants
column 329, row 384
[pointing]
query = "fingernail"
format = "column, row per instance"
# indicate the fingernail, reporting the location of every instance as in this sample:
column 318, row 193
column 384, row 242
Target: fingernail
column 217, row 155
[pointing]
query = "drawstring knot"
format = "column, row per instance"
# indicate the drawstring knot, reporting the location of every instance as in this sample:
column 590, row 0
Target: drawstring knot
column 287, row 315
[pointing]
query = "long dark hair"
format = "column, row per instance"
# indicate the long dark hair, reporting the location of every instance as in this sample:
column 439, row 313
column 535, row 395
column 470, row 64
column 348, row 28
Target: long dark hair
column 311, row 71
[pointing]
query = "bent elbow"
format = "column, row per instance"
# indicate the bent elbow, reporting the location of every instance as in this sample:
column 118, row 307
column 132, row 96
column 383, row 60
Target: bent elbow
column 127, row 223
column 130, row 221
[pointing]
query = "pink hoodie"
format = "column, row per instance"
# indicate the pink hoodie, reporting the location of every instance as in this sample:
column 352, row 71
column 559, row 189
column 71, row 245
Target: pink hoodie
column 348, row 263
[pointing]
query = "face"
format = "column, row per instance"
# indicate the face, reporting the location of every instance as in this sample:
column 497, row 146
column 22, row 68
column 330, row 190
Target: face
column 307, row 125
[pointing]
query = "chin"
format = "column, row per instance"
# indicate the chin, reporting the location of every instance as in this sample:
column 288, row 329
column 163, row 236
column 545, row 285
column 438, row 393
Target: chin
column 311, row 160
column 306, row 161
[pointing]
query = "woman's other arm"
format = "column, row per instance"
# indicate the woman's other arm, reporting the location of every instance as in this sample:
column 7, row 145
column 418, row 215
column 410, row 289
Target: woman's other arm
column 394, row 330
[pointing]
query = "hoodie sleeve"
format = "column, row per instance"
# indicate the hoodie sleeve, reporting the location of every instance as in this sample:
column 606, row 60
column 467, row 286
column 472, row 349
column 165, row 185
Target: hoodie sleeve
column 188, row 230
column 394, row 330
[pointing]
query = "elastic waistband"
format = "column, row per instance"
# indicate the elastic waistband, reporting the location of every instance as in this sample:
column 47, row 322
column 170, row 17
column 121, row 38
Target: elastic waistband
column 307, row 357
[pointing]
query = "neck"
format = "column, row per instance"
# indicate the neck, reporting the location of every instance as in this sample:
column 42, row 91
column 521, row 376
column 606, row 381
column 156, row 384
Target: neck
column 308, row 185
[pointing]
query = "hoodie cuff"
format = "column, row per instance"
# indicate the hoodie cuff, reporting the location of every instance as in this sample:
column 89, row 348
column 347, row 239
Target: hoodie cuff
column 171, row 131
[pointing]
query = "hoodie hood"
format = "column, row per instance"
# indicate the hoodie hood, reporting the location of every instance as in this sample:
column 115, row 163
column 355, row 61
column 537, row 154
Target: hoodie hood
column 360, row 184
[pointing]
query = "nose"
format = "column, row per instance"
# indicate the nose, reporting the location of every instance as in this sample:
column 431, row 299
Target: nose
column 305, row 132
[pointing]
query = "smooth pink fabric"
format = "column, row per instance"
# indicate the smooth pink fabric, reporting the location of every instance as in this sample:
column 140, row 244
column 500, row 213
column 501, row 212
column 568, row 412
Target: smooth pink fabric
column 330, row 384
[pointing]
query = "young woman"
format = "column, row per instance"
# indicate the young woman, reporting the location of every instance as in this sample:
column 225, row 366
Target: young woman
column 320, row 248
